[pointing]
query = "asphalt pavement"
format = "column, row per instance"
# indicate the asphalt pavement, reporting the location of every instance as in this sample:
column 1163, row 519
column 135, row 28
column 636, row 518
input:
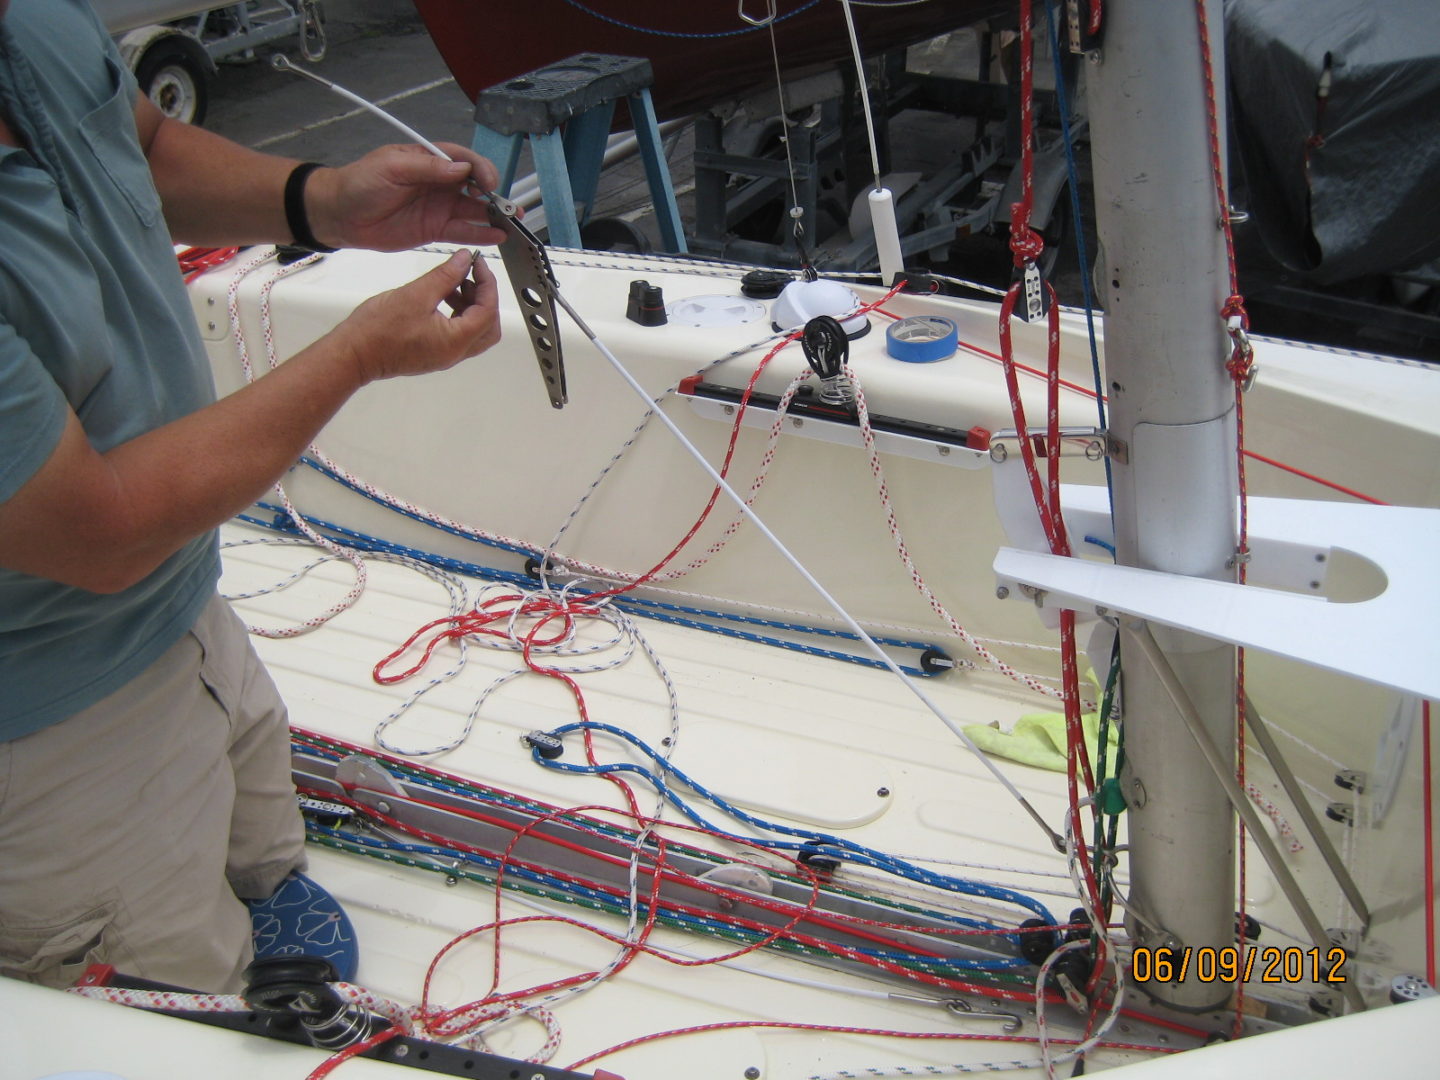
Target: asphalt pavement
column 378, row 49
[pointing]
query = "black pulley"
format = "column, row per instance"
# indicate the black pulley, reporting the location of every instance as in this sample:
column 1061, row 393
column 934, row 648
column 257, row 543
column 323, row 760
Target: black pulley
column 1075, row 966
column 764, row 284
column 935, row 662
column 300, row 987
column 296, row 985
column 1037, row 942
column 825, row 346
column 543, row 743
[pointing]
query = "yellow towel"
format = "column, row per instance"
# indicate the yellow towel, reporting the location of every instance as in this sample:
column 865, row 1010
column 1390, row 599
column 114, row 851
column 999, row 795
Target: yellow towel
column 1039, row 738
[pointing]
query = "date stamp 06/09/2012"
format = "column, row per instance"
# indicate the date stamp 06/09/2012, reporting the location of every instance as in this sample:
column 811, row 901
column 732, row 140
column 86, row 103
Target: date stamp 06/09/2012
column 1271, row 964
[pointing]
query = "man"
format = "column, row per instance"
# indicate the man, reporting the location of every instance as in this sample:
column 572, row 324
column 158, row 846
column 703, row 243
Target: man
column 144, row 760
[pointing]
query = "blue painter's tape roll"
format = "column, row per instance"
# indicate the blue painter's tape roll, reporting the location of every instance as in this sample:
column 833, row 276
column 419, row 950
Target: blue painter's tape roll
column 922, row 339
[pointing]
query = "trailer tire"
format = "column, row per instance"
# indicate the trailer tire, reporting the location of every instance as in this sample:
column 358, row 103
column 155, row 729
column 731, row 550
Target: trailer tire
column 177, row 82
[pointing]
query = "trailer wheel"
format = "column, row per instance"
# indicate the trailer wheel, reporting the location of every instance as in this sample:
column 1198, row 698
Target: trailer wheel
column 171, row 77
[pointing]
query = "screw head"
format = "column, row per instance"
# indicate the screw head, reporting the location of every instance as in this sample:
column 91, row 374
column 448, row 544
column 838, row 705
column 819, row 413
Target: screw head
column 1002, row 593
column 752, row 1073
column 883, row 793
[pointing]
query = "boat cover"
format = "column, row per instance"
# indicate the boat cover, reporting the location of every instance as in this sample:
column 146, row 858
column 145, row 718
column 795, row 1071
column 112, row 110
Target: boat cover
column 1349, row 188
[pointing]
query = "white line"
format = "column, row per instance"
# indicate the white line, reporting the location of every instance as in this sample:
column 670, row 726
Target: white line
column 273, row 139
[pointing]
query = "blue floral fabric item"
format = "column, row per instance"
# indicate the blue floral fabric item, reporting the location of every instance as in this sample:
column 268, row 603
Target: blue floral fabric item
column 302, row 919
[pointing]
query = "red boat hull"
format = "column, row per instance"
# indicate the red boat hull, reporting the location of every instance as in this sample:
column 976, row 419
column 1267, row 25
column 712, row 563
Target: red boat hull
column 487, row 43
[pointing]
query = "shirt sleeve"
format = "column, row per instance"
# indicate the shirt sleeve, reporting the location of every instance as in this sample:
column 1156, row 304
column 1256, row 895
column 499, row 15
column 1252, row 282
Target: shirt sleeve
column 32, row 412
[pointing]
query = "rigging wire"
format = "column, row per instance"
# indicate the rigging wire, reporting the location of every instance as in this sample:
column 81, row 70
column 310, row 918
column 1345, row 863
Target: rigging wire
column 797, row 212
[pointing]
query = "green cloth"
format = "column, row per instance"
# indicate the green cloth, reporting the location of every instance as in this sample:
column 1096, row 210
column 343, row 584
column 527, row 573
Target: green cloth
column 93, row 318
column 1039, row 738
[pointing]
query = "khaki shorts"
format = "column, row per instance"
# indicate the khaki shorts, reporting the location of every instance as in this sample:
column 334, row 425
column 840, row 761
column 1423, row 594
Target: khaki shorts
column 129, row 831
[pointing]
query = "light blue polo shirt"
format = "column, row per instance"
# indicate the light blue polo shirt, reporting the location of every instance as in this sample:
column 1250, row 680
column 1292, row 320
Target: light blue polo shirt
column 93, row 315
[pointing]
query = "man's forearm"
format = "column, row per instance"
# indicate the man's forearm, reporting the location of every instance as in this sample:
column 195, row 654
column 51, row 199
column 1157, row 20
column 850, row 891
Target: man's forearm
column 199, row 471
column 215, row 191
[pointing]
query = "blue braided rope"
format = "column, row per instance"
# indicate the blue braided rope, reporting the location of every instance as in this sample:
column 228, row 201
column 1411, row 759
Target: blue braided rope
column 650, row 609
column 680, row 33
column 817, row 842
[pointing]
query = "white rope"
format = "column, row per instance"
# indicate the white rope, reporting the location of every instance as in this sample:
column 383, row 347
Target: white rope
column 238, row 333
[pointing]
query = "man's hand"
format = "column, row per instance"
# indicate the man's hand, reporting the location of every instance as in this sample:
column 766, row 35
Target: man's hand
column 399, row 197
column 104, row 521
column 402, row 332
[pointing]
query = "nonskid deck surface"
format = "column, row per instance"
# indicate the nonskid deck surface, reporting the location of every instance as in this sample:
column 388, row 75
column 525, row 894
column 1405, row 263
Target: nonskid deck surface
column 808, row 741
column 804, row 740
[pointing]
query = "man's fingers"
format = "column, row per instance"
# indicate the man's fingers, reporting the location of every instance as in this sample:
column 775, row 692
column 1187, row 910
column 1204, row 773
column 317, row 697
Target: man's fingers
column 439, row 283
column 462, row 297
column 482, row 171
column 487, row 289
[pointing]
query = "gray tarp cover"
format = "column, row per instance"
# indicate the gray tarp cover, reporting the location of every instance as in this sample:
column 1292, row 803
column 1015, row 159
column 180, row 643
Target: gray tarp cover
column 1371, row 199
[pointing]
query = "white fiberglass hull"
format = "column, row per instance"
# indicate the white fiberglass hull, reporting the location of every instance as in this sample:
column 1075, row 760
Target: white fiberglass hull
column 801, row 738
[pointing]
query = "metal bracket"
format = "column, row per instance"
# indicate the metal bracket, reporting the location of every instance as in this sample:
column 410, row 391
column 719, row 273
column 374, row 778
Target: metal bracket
column 533, row 282
column 1094, row 442
column 524, row 256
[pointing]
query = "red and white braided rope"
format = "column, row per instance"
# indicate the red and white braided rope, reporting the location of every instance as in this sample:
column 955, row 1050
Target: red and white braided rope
column 867, row 436
column 242, row 348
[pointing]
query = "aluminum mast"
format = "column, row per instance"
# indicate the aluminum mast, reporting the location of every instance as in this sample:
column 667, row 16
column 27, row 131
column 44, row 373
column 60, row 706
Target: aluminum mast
column 1172, row 425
